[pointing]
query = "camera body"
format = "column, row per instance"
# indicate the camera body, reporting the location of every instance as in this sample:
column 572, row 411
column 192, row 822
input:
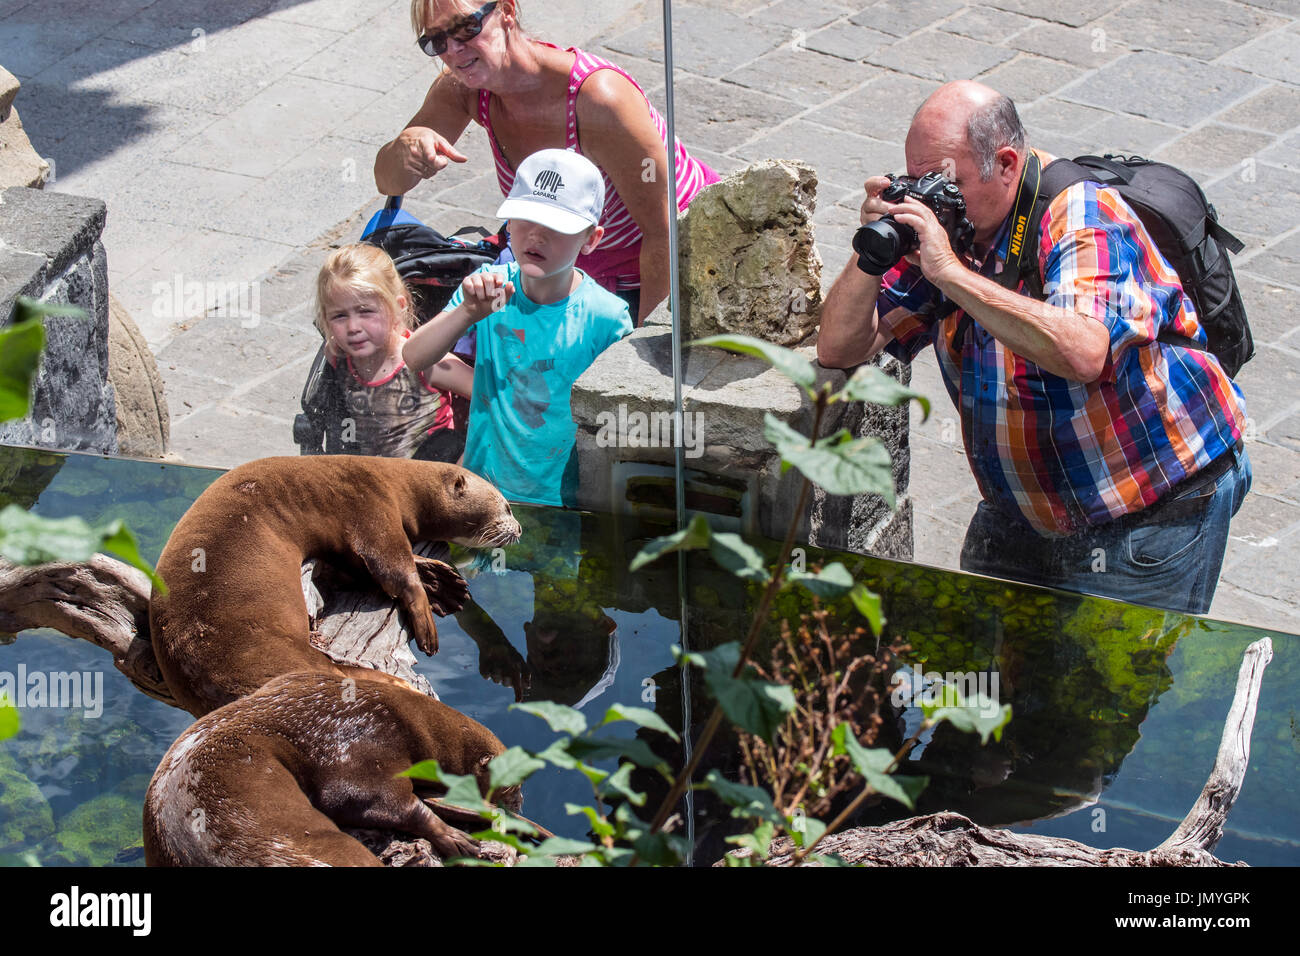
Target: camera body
column 882, row 243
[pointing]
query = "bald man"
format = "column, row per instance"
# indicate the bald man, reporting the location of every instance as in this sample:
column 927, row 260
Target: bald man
column 1108, row 461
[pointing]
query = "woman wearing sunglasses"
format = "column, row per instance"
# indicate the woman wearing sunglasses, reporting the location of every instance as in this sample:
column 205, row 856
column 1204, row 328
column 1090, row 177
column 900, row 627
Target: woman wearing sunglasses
column 529, row 95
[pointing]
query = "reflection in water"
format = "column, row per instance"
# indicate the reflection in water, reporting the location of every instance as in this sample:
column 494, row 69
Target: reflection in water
column 1116, row 708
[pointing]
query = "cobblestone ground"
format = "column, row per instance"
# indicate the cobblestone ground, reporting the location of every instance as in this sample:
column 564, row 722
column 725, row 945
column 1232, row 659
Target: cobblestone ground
column 234, row 142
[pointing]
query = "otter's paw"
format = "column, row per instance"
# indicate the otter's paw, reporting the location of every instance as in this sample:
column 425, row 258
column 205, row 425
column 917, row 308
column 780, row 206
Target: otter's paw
column 443, row 585
column 452, row 842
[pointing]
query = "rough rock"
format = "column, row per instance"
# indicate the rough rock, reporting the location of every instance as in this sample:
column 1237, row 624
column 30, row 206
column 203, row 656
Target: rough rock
column 20, row 164
column 748, row 263
column 143, row 423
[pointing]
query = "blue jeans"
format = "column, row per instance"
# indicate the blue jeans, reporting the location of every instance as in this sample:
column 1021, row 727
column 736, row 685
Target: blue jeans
column 1170, row 560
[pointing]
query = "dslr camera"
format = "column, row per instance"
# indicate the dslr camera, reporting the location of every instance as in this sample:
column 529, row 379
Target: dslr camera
column 882, row 243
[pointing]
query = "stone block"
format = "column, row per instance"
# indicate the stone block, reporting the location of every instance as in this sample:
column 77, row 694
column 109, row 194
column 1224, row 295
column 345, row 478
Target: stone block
column 940, row 56
column 748, row 264
column 1166, row 88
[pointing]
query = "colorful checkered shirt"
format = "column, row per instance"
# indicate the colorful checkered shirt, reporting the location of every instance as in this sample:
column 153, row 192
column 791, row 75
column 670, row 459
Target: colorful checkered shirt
column 1060, row 455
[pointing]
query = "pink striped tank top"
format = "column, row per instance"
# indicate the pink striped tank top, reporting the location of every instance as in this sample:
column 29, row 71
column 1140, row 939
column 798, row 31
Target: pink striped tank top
column 615, row 263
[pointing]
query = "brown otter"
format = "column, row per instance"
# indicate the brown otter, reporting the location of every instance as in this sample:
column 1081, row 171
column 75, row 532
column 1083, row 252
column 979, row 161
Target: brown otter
column 269, row 779
column 234, row 615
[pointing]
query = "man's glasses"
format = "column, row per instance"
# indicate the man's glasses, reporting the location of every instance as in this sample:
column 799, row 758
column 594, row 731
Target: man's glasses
column 435, row 44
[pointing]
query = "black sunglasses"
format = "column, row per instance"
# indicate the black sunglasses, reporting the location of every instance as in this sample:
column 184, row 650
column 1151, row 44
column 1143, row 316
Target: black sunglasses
column 435, row 44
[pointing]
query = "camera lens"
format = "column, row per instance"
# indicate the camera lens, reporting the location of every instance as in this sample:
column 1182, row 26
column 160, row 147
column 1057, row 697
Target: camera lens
column 882, row 243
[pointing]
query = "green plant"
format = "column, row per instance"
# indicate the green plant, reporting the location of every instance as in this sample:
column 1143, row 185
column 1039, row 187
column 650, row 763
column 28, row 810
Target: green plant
column 27, row 539
column 841, row 465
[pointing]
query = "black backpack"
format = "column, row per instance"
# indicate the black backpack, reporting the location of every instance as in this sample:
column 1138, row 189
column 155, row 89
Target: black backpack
column 1184, row 225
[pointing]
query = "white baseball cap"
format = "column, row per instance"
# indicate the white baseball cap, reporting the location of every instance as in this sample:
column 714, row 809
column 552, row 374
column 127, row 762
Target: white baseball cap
column 557, row 188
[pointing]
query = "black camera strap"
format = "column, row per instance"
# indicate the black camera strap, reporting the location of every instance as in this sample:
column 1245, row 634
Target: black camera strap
column 1020, row 257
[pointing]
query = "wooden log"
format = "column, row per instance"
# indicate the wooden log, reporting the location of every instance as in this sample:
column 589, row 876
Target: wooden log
column 950, row 839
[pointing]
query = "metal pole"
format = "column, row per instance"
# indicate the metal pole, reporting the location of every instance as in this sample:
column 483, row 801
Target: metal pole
column 679, row 461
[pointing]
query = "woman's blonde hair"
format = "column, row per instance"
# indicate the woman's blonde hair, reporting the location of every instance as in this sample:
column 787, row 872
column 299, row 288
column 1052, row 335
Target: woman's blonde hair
column 363, row 270
column 422, row 12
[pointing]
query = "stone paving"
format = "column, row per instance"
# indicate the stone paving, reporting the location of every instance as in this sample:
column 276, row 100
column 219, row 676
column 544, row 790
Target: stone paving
column 234, row 143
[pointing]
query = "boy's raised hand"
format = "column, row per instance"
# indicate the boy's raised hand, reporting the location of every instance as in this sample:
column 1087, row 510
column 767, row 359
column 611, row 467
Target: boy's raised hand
column 485, row 293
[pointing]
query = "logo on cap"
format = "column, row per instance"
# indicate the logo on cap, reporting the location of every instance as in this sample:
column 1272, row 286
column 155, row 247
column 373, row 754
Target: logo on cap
column 548, row 183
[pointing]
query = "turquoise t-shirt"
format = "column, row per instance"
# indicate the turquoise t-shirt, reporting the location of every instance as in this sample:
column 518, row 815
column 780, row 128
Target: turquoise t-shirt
column 522, row 437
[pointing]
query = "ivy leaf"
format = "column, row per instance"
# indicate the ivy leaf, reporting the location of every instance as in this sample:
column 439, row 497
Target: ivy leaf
column 563, row 846
column 601, row 748
column 620, row 782
column 839, row 464
column 790, row 364
column 20, row 357
column 745, row 801
column 660, row 849
column 504, row 822
column 9, row 720
column 424, row 770
column 640, row 716
column 734, row 555
column 870, row 384
column 805, row 830
column 462, row 789
column 829, row 859
column 759, row 842
column 867, row 602
column 602, row 828
column 29, row 539
column 514, row 766
column 509, row 839
column 873, row 764
column 832, row 581
column 979, row 715
column 694, row 536
column 558, row 754
column 757, row 706
column 562, row 720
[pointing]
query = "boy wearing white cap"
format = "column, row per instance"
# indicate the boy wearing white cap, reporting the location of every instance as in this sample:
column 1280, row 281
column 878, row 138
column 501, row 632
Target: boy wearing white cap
column 541, row 323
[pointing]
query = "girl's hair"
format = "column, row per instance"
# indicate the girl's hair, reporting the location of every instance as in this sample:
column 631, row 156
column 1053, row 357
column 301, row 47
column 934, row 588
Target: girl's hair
column 422, row 11
column 364, row 270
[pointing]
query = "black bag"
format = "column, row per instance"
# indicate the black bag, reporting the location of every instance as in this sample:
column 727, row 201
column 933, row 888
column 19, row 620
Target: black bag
column 1185, row 226
column 432, row 265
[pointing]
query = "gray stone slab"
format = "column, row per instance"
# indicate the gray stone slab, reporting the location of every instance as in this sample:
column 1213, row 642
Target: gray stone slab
column 1274, row 110
column 479, row 197
column 280, row 394
column 1205, row 29
column 37, row 36
column 1271, row 307
column 1061, row 116
column 1059, row 12
column 176, row 194
column 222, row 348
column 833, row 227
column 376, row 54
column 339, row 15
column 174, row 22
column 1285, row 153
column 134, row 244
column 723, row 116
column 1280, row 261
column 806, row 77
column 1275, row 470
column 1232, row 603
column 901, row 18
column 847, row 41
column 273, row 127
column 707, row 41
column 382, row 119
column 798, row 14
column 226, row 69
column 1086, row 46
column 59, row 227
column 1276, row 55
column 1119, row 133
column 188, row 392
column 1287, row 433
column 1213, row 148
column 940, row 56
column 840, row 158
column 882, row 109
column 1261, row 200
column 312, row 192
column 1169, row 89
column 21, row 273
column 1028, row 78
column 223, row 437
column 1271, row 383
column 988, row 24
column 720, row 163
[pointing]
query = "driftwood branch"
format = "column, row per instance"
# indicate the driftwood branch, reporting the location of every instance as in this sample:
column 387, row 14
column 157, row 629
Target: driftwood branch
column 950, row 839
column 101, row 600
